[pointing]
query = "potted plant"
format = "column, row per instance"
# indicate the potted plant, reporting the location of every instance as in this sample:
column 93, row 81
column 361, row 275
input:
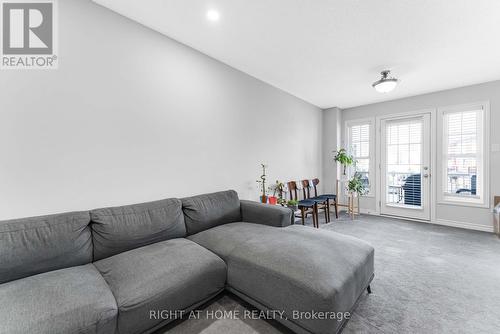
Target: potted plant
column 356, row 186
column 293, row 205
column 273, row 200
column 277, row 189
column 344, row 159
column 262, row 183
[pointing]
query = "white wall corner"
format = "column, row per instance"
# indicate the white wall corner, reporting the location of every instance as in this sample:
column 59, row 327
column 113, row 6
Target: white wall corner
column 331, row 141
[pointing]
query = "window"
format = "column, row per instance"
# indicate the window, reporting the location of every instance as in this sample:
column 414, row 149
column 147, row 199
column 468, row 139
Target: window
column 360, row 146
column 463, row 154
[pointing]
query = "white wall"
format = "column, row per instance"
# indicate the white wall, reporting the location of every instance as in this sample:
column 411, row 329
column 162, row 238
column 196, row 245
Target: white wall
column 477, row 218
column 132, row 116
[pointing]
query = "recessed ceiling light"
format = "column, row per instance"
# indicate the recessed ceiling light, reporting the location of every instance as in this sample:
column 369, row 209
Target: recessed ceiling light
column 386, row 83
column 213, row 15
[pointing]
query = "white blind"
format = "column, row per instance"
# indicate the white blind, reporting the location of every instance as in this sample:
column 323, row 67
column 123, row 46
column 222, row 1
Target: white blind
column 404, row 161
column 462, row 152
column 359, row 142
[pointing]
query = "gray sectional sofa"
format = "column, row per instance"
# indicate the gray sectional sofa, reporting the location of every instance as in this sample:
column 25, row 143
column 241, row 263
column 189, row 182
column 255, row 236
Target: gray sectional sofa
column 106, row 270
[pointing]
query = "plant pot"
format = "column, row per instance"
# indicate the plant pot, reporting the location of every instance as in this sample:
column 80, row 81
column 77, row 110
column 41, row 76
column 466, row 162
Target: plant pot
column 263, row 199
column 293, row 207
column 354, row 194
column 273, row 200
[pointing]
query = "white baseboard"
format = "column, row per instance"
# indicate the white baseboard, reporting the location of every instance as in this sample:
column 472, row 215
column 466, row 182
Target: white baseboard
column 444, row 222
column 469, row 226
column 369, row 212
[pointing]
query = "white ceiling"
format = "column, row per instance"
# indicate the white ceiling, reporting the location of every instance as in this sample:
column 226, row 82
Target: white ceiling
column 328, row 52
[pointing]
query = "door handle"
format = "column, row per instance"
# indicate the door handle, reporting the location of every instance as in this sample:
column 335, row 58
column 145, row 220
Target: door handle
column 427, row 175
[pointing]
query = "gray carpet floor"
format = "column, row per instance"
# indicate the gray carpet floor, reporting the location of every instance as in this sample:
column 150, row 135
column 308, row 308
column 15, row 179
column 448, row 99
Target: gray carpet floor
column 428, row 279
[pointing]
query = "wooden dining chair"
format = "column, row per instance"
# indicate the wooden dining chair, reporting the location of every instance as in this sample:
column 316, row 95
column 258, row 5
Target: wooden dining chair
column 305, row 206
column 310, row 193
column 331, row 199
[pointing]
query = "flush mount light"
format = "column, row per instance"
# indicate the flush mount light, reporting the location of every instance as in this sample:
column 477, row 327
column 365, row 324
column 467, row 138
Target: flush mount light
column 386, row 83
column 213, row 15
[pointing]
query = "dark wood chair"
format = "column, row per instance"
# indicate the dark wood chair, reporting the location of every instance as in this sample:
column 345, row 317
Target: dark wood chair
column 331, row 199
column 305, row 206
column 311, row 193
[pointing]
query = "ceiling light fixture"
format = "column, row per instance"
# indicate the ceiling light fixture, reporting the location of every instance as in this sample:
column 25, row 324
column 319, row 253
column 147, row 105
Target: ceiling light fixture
column 213, row 15
column 386, row 83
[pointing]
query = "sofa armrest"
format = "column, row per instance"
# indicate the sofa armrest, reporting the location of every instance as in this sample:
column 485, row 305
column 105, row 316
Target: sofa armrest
column 272, row 215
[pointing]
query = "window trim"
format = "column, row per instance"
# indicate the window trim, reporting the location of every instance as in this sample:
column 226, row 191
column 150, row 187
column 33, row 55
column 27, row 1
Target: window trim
column 483, row 199
column 372, row 156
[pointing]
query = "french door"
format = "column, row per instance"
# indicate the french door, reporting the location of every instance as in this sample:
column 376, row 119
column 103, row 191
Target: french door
column 405, row 166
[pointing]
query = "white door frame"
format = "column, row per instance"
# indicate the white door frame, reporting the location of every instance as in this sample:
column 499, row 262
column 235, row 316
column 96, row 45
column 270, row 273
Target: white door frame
column 432, row 154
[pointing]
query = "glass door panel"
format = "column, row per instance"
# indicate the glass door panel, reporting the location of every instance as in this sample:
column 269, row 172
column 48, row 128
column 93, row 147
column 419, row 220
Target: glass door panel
column 405, row 166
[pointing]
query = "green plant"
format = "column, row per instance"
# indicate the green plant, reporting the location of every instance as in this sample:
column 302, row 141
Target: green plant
column 356, row 185
column 344, row 159
column 292, row 202
column 278, row 189
column 281, row 201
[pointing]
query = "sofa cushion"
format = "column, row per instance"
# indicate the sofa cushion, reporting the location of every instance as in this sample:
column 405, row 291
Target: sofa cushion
column 172, row 275
column 295, row 268
column 71, row 300
column 119, row 229
column 205, row 211
column 30, row 246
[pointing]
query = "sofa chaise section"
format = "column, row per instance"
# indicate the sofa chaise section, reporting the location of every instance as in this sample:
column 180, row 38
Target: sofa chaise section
column 150, row 267
column 294, row 269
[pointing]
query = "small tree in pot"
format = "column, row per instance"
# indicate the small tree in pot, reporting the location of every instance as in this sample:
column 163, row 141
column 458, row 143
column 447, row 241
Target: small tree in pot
column 262, row 183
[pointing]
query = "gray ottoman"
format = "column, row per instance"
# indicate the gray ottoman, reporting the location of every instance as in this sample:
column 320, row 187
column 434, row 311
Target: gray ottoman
column 310, row 278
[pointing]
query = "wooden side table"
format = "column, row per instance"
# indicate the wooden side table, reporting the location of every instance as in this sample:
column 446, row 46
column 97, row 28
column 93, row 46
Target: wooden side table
column 352, row 204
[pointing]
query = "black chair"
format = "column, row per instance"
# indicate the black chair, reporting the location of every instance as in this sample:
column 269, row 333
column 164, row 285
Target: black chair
column 321, row 202
column 305, row 206
column 413, row 190
column 473, row 185
column 331, row 199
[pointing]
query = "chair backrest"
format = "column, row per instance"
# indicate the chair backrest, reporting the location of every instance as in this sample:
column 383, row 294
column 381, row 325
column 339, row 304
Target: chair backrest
column 292, row 189
column 310, row 190
column 305, row 188
column 316, row 182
